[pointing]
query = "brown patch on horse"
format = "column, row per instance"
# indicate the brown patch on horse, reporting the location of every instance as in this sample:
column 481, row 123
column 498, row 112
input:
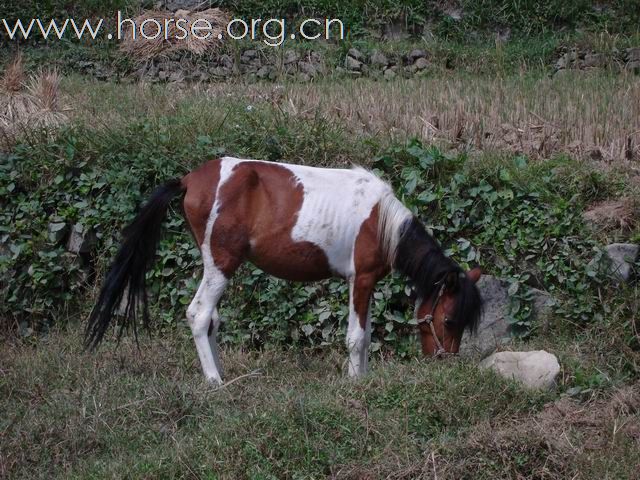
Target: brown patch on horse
column 258, row 208
column 369, row 264
column 201, row 185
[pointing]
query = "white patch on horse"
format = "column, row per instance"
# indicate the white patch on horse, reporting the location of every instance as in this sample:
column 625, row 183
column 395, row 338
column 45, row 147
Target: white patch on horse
column 392, row 214
column 334, row 207
column 227, row 164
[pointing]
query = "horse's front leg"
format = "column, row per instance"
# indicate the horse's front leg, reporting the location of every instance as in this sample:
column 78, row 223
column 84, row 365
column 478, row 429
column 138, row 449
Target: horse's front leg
column 359, row 330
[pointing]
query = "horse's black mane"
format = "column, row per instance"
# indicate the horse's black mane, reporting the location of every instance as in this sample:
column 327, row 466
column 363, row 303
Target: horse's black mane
column 421, row 259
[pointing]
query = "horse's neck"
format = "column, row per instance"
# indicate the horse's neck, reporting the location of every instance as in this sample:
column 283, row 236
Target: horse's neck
column 419, row 256
column 415, row 242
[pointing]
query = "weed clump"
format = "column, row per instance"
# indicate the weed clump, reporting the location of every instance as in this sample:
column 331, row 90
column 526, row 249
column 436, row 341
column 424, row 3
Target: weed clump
column 28, row 105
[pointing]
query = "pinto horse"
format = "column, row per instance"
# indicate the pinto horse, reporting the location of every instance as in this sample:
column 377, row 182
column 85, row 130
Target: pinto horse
column 298, row 223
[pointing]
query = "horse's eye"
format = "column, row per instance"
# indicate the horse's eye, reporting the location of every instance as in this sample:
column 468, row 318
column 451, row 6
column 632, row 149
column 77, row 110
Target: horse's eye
column 449, row 323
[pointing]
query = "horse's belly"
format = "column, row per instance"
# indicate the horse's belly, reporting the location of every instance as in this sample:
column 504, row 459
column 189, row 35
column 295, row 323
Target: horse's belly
column 297, row 261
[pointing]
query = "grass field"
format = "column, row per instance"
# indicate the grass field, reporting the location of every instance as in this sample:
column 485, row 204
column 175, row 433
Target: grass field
column 148, row 414
column 288, row 411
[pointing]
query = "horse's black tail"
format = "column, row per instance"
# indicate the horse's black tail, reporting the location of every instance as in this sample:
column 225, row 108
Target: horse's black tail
column 126, row 277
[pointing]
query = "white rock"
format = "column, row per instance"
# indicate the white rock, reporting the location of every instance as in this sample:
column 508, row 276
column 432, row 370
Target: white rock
column 537, row 369
column 622, row 256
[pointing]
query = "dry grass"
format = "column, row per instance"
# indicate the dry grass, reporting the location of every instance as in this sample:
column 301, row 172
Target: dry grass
column 598, row 438
column 13, row 77
column 171, row 40
column 45, row 89
column 568, row 439
column 589, row 116
column 14, row 104
column 594, row 116
column 619, row 214
column 24, row 106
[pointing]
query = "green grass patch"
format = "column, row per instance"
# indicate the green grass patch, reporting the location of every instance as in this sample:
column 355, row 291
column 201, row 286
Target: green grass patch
column 149, row 414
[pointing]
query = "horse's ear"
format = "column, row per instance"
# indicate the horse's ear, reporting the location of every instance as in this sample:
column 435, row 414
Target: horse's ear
column 474, row 274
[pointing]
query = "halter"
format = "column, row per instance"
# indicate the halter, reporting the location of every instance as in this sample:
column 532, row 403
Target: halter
column 428, row 319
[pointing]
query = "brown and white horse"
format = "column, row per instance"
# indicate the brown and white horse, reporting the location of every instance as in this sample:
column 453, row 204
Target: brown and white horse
column 297, row 223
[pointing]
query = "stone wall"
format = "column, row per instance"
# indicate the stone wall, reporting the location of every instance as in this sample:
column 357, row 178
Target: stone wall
column 269, row 64
column 585, row 60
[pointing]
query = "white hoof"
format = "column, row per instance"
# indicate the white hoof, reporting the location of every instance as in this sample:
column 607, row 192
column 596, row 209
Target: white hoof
column 214, row 381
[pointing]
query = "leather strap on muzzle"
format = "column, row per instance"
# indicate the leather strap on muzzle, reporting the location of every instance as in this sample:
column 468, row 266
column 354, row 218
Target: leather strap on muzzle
column 428, row 319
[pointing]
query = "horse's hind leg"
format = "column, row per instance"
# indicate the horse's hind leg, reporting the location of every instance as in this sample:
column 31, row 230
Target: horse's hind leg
column 201, row 316
column 213, row 335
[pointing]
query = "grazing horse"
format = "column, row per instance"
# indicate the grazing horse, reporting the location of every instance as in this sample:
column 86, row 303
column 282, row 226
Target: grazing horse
column 298, row 223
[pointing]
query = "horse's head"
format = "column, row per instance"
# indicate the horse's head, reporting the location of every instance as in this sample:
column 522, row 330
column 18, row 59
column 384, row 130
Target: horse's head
column 442, row 318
